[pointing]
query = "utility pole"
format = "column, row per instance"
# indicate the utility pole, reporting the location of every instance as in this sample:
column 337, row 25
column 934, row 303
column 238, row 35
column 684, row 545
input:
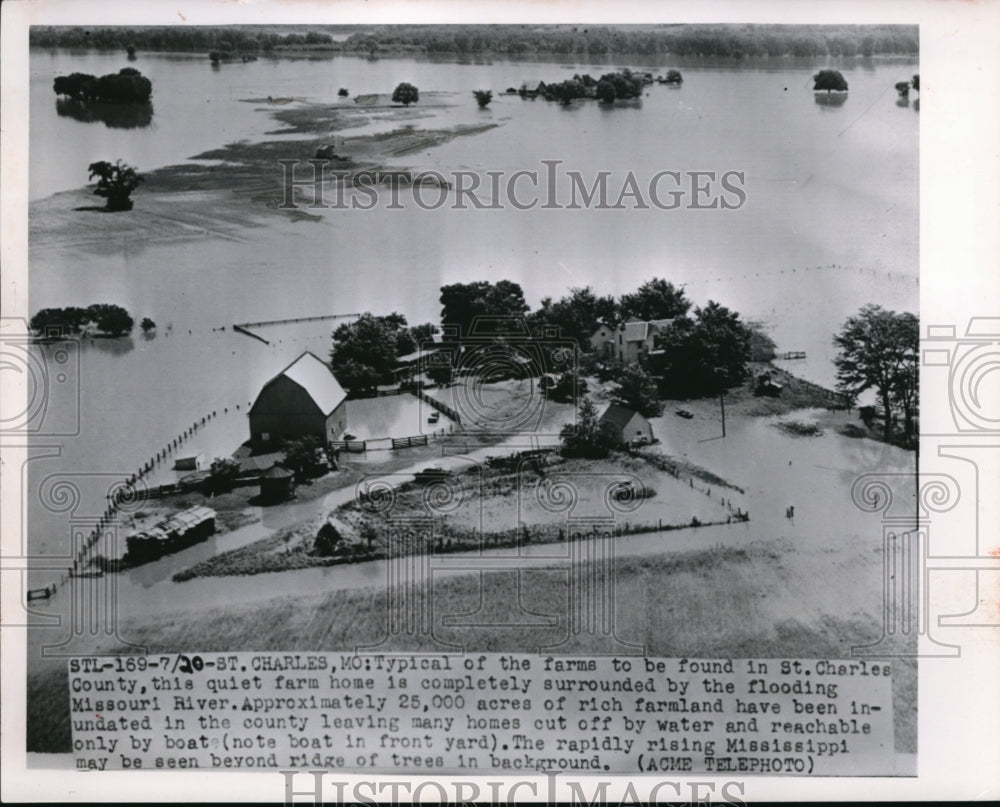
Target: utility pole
column 722, row 406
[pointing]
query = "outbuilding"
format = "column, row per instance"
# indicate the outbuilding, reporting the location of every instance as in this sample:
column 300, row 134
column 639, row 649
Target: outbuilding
column 626, row 425
column 277, row 484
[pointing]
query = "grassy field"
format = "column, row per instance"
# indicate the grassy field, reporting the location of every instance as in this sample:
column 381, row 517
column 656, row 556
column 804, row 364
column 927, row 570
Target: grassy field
column 719, row 602
column 534, row 501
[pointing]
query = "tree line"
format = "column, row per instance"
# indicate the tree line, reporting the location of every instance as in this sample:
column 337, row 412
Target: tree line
column 727, row 41
column 104, row 318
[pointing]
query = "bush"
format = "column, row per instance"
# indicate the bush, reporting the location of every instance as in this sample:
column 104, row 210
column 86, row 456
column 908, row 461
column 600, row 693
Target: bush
column 328, row 539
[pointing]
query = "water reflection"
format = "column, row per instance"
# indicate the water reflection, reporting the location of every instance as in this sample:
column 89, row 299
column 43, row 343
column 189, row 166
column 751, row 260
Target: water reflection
column 114, row 116
column 833, row 99
column 118, row 346
column 903, row 101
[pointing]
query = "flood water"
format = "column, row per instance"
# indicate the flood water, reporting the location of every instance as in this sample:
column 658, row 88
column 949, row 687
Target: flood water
column 830, row 223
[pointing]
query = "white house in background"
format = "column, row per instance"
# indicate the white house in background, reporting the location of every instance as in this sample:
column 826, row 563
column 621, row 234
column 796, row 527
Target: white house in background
column 629, row 340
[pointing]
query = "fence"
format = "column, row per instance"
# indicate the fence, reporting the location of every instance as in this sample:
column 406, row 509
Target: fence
column 244, row 327
column 241, row 329
column 351, row 446
column 407, row 442
column 443, row 408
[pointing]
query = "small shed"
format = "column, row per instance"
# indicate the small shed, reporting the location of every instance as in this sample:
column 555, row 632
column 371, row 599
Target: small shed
column 627, row 425
column 277, row 484
column 194, row 462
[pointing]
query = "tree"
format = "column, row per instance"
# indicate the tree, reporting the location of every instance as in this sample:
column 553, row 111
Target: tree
column 110, row 319
column 655, row 299
column 915, row 81
column 365, row 351
column 147, row 325
column 569, row 386
column 576, row 316
column 63, row 321
column 483, row 97
column 115, row 183
column 461, row 303
column 343, row 92
column 636, row 389
column 626, row 83
column 327, row 540
column 357, row 377
column 76, row 85
column 440, row 374
column 830, row 80
column 588, row 437
column 127, row 86
column 762, row 347
column 878, row 350
column 222, row 473
column 674, row 77
column 903, row 87
column 405, row 94
column 300, row 454
column 605, row 91
column 705, row 354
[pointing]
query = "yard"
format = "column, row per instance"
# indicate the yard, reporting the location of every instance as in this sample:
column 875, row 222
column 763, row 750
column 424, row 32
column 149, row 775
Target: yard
column 393, row 416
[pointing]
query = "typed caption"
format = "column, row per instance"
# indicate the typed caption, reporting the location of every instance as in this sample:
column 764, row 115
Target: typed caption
column 479, row 713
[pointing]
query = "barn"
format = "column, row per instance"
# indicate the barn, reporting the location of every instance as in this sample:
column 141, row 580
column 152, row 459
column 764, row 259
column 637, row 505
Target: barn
column 627, row 425
column 303, row 399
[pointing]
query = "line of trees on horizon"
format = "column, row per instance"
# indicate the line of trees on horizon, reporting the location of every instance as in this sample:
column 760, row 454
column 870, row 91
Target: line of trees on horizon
column 714, row 40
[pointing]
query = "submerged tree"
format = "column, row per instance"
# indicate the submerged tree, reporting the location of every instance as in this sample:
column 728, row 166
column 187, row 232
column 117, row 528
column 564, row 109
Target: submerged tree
column 483, row 97
column 830, row 80
column 605, row 91
column 405, row 94
column 115, row 183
